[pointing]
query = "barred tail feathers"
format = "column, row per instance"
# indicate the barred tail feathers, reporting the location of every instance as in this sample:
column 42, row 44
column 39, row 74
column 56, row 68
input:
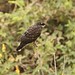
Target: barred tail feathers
column 20, row 46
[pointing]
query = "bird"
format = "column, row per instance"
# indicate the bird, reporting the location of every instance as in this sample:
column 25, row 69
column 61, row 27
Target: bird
column 30, row 35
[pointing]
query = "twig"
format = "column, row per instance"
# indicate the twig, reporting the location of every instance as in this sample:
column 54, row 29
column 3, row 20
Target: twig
column 64, row 66
column 55, row 65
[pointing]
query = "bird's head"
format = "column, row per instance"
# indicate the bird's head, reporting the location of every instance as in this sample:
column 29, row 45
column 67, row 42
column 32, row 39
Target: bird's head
column 41, row 24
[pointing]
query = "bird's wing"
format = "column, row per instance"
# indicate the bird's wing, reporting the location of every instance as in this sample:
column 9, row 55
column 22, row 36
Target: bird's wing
column 33, row 32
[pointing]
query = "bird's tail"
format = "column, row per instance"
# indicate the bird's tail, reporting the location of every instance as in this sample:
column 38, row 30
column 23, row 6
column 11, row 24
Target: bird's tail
column 20, row 46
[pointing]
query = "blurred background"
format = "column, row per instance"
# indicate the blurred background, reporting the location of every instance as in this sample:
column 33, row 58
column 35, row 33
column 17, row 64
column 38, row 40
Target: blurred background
column 55, row 50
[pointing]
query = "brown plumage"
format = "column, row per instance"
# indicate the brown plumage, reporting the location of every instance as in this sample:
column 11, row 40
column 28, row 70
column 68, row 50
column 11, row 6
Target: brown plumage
column 30, row 35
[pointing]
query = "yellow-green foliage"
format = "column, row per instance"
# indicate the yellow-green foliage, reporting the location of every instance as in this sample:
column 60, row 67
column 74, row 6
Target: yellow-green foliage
column 55, row 50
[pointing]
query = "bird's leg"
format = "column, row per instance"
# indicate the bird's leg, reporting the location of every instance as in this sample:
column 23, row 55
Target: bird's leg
column 35, row 43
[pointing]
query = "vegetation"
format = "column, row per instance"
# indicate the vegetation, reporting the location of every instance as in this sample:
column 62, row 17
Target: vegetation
column 55, row 50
